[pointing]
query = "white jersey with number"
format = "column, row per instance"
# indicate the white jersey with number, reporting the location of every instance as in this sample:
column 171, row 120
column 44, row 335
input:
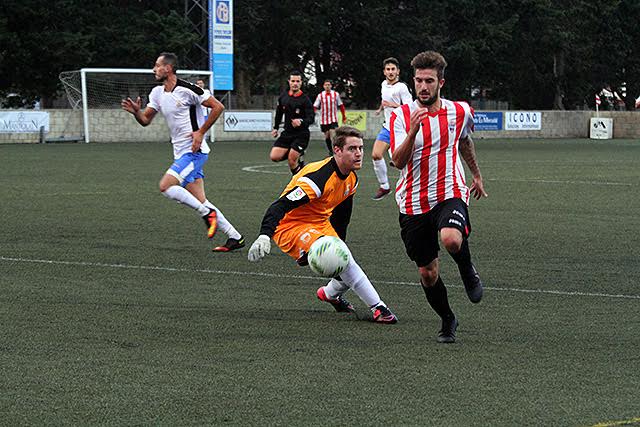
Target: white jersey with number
column 182, row 109
column 434, row 172
column 328, row 103
column 397, row 93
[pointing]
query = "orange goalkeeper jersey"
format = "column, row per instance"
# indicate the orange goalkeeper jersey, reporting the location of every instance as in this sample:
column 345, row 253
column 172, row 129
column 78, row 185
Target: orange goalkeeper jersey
column 324, row 185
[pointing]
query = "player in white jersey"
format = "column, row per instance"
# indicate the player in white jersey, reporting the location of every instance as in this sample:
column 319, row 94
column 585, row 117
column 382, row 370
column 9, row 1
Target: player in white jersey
column 394, row 93
column 327, row 102
column 428, row 138
column 207, row 93
column 180, row 103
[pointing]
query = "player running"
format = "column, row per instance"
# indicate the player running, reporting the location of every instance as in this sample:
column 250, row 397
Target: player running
column 327, row 102
column 180, row 103
column 428, row 138
column 297, row 110
column 394, row 93
column 318, row 202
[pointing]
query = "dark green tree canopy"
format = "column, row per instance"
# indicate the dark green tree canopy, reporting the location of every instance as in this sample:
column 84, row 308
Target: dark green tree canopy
column 538, row 54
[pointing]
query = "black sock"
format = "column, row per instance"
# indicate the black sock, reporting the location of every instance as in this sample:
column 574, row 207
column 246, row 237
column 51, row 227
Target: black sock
column 437, row 298
column 463, row 257
column 296, row 169
column 329, row 147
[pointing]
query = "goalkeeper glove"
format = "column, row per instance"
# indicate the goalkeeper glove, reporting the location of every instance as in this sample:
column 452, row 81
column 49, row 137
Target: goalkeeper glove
column 260, row 248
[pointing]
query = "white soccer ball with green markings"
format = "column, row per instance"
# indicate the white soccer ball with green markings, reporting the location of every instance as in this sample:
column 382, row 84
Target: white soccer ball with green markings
column 328, row 256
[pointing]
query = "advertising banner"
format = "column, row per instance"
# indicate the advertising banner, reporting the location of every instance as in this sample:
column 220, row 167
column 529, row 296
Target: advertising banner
column 600, row 128
column 221, row 43
column 357, row 119
column 23, row 121
column 487, row 120
column 247, row 121
column 523, row 120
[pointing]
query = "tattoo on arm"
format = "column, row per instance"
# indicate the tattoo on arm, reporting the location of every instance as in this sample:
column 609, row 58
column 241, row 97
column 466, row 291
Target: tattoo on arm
column 468, row 153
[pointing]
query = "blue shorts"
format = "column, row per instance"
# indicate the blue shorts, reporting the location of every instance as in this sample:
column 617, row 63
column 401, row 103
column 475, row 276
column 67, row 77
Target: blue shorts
column 384, row 135
column 188, row 168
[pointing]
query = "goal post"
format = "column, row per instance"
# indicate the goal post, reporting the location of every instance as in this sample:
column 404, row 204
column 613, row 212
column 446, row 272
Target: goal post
column 98, row 92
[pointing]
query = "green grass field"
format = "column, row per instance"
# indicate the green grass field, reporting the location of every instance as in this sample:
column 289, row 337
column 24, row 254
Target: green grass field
column 114, row 310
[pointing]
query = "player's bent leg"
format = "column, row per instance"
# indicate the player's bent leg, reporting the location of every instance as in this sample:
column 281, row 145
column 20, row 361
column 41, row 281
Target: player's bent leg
column 458, row 248
column 171, row 188
column 332, row 294
column 357, row 280
column 278, row 154
column 436, row 294
column 224, row 224
column 380, row 168
column 196, row 188
column 327, row 142
column 295, row 161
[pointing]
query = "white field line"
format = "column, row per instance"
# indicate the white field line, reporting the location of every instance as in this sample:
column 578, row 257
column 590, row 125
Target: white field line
column 265, row 169
column 294, row 276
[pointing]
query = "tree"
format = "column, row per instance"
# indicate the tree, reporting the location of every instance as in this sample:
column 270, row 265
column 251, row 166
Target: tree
column 41, row 39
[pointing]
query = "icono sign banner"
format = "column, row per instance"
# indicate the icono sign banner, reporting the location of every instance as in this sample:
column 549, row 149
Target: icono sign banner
column 523, row 120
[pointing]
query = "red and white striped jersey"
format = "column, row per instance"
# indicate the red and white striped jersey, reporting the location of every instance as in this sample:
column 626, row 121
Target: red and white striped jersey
column 435, row 172
column 328, row 104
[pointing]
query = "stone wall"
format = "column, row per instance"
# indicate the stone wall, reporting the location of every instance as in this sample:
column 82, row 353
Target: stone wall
column 109, row 125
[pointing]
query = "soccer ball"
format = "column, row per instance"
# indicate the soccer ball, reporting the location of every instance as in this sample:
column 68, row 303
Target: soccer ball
column 328, row 256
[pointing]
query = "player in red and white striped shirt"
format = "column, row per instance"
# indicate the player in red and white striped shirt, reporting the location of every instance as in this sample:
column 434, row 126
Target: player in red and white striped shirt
column 328, row 102
column 428, row 139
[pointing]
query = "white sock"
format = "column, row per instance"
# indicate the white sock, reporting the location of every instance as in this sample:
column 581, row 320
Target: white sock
column 380, row 168
column 354, row 277
column 335, row 288
column 223, row 225
column 181, row 195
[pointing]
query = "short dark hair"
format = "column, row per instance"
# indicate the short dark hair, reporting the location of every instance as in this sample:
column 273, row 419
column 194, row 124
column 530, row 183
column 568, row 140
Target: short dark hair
column 295, row 73
column 344, row 132
column 327, row 80
column 391, row 60
column 429, row 59
column 170, row 59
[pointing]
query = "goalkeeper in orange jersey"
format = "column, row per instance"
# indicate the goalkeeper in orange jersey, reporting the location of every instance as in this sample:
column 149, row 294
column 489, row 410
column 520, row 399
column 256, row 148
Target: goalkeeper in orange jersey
column 317, row 202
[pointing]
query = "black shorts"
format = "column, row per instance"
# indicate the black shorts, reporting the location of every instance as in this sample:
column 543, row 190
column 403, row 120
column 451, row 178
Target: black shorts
column 330, row 126
column 420, row 232
column 297, row 141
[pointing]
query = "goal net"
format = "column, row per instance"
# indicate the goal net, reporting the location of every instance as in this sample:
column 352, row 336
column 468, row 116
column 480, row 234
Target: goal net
column 95, row 95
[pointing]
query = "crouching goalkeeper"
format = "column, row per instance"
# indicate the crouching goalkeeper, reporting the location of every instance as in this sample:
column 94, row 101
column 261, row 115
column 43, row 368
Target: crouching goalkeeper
column 317, row 202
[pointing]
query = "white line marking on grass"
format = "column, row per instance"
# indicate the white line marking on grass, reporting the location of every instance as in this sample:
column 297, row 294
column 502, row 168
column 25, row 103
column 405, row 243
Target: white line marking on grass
column 294, row 276
column 628, row 422
column 261, row 169
column 80, row 193
column 557, row 181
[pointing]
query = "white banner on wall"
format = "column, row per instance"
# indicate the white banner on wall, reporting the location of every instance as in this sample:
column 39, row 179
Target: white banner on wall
column 23, row 121
column 247, row 121
column 523, row 120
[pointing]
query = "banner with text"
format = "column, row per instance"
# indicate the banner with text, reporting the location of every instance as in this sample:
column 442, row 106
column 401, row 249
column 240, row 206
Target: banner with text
column 523, row 120
column 357, row 119
column 221, row 43
column 247, row 121
column 487, row 120
column 23, row 121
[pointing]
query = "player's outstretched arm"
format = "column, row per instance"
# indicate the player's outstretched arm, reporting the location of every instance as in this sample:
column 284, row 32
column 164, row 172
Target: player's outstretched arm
column 260, row 248
column 468, row 153
column 144, row 117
